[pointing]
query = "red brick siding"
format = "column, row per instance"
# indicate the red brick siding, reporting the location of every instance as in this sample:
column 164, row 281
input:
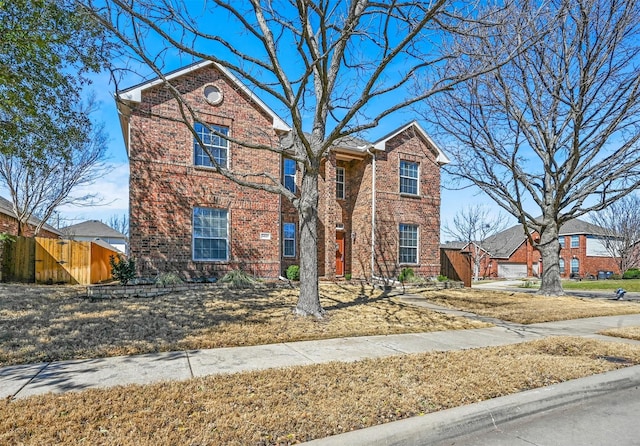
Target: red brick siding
column 392, row 208
column 165, row 186
column 9, row 225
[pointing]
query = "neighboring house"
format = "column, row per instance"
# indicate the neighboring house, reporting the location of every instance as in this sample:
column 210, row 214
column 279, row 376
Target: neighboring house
column 9, row 223
column 379, row 208
column 582, row 253
column 95, row 230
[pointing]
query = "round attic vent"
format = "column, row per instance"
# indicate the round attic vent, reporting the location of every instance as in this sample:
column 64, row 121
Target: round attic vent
column 212, row 94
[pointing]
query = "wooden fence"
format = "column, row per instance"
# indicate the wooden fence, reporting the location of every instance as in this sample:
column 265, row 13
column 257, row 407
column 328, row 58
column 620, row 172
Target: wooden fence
column 456, row 265
column 48, row 260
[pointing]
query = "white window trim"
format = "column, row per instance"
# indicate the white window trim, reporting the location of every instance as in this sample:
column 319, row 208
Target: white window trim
column 227, row 148
column 295, row 241
column 343, row 182
column 193, row 236
column 295, row 175
column 575, row 237
column 417, row 179
column 417, row 247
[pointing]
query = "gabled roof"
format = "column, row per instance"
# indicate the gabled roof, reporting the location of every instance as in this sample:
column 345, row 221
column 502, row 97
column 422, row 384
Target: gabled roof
column 134, row 95
column 6, row 208
column 441, row 158
column 92, row 228
column 503, row 244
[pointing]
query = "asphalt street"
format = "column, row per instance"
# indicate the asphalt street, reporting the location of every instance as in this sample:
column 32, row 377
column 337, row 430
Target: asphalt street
column 608, row 419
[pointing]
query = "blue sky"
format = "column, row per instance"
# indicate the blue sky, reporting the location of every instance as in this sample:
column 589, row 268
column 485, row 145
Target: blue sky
column 114, row 186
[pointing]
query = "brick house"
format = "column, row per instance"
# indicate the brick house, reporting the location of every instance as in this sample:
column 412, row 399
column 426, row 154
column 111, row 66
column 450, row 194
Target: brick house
column 9, row 223
column 582, row 253
column 379, row 207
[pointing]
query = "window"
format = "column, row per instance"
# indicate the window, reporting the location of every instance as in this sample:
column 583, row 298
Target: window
column 575, row 266
column 289, row 239
column 561, row 241
column 408, row 177
column 408, row 244
column 340, row 183
column 575, row 241
column 217, row 145
column 210, row 234
column 561, row 265
column 289, row 174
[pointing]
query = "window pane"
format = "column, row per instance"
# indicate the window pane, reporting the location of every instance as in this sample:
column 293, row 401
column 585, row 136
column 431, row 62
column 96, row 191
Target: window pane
column 340, row 183
column 561, row 265
column 210, row 241
column 575, row 265
column 575, row 241
column 217, row 145
column 408, row 241
column 408, row 177
column 289, row 239
column 289, row 171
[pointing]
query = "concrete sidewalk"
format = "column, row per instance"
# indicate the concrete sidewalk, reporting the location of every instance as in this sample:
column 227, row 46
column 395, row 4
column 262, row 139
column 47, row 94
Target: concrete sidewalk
column 25, row 380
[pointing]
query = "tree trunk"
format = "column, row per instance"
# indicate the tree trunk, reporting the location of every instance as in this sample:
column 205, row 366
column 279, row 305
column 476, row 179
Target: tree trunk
column 309, row 299
column 549, row 248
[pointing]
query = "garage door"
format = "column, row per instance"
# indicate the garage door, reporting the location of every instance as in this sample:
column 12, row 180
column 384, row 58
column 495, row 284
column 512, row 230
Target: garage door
column 512, row 270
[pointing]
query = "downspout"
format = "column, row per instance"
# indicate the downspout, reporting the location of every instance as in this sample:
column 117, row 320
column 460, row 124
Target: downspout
column 373, row 213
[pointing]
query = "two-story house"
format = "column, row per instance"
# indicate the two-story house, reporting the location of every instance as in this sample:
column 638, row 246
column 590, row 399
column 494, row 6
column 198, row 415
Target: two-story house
column 379, row 206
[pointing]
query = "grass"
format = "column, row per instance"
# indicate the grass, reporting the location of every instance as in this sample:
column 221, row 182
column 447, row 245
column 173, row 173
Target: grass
column 626, row 332
column 48, row 323
column 630, row 285
column 525, row 308
column 282, row 407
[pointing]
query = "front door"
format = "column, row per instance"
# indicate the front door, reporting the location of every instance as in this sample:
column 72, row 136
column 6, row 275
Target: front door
column 339, row 253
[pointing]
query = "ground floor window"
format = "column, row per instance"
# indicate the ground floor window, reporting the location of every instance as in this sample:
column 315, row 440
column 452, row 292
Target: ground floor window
column 289, row 239
column 561, row 265
column 575, row 266
column 210, row 234
column 408, row 241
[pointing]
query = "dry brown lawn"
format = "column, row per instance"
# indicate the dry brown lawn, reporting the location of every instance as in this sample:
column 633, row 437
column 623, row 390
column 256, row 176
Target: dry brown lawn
column 525, row 308
column 626, row 332
column 48, row 323
column 281, row 407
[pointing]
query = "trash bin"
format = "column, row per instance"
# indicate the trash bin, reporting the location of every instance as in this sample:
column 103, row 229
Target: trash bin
column 602, row 275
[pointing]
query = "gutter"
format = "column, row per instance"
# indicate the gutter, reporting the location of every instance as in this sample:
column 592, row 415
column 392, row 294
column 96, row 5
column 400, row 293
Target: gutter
column 373, row 211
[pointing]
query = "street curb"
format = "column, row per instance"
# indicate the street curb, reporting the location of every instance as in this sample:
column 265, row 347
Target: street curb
column 455, row 422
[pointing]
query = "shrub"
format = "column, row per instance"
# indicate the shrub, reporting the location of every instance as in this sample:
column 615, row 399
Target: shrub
column 442, row 278
column 347, row 276
column 239, row 279
column 406, row 275
column 293, row 272
column 123, row 270
column 168, row 279
column 631, row 273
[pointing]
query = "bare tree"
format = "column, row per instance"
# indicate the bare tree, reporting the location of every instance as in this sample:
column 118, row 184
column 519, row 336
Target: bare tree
column 334, row 68
column 120, row 223
column 621, row 223
column 553, row 134
column 473, row 226
column 38, row 186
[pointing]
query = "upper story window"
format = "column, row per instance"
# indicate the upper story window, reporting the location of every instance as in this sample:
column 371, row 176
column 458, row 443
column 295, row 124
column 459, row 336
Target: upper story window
column 216, row 144
column 289, row 239
column 561, row 241
column 408, row 243
column 409, row 174
column 210, row 234
column 575, row 241
column 289, row 174
column 340, row 185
